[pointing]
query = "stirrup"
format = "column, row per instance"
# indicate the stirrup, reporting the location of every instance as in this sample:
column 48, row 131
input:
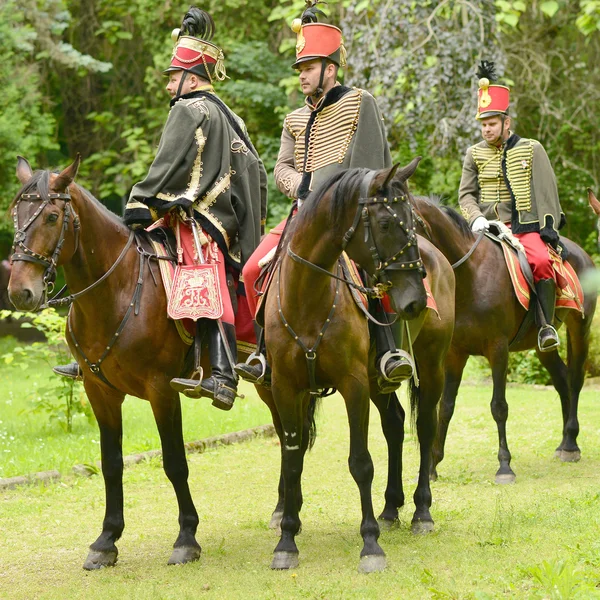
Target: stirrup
column 251, row 373
column 405, row 370
column 192, row 388
column 545, row 334
column 72, row 371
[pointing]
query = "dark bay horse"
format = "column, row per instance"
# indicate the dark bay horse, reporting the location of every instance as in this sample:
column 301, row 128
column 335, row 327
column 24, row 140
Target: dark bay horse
column 317, row 338
column 488, row 316
column 94, row 246
column 595, row 205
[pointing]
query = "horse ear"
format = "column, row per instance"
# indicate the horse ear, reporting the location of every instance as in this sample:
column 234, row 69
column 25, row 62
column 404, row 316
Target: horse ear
column 594, row 203
column 24, row 172
column 382, row 179
column 66, row 177
column 406, row 172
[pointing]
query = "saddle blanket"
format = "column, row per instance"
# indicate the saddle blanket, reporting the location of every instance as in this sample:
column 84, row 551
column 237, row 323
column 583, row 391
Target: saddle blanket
column 246, row 338
column 568, row 289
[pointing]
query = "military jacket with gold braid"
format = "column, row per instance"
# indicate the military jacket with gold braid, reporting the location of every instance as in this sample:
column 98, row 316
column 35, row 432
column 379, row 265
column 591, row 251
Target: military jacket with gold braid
column 514, row 184
column 343, row 131
column 202, row 161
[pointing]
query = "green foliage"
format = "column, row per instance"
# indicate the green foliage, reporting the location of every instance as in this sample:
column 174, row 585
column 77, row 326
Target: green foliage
column 559, row 580
column 60, row 398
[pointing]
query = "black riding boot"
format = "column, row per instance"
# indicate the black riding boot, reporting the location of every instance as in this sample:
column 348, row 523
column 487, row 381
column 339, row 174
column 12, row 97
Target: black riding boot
column 393, row 364
column 546, row 295
column 72, row 370
column 256, row 369
column 221, row 386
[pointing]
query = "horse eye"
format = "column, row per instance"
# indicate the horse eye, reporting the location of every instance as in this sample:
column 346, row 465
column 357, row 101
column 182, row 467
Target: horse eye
column 52, row 218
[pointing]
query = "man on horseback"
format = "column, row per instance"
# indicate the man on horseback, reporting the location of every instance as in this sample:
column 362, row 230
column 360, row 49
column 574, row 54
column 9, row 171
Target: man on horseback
column 207, row 171
column 510, row 179
column 337, row 128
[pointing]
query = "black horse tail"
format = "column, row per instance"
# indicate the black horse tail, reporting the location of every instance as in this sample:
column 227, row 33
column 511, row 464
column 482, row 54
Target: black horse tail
column 313, row 405
column 414, row 393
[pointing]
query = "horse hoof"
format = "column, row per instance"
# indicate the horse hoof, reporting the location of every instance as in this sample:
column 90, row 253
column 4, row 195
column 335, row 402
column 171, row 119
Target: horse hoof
column 557, row 453
column 421, row 527
column 388, row 524
column 275, row 522
column 285, row 560
column 184, row 554
column 372, row 564
column 567, row 456
column 504, row 478
column 98, row 560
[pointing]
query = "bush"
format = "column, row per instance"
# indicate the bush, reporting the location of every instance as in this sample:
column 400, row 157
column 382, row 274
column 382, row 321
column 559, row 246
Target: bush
column 61, row 398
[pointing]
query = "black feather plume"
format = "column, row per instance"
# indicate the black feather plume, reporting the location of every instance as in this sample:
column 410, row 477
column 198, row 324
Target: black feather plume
column 311, row 12
column 487, row 69
column 198, row 23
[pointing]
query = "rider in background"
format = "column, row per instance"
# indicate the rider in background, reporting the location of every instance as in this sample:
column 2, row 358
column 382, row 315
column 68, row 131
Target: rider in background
column 510, row 179
column 337, row 128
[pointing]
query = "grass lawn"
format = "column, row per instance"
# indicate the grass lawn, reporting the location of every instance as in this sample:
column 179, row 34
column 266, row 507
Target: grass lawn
column 29, row 442
column 538, row 538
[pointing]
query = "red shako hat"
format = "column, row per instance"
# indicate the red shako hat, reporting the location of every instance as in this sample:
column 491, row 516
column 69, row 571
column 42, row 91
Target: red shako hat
column 317, row 40
column 492, row 99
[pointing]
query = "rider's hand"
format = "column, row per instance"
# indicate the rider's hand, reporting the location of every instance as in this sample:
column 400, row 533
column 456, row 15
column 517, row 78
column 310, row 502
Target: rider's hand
column 479, row 224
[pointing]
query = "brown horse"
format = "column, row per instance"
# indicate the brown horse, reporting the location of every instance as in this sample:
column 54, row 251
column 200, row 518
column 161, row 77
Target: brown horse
column 119, row 331
column 595, row 205
column 4, row 278
column 317, row 338
column 488, row 317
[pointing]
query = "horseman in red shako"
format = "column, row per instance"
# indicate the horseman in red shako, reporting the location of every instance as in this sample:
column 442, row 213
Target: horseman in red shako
column 338, row 127
column 509, row 179
column 209, row 186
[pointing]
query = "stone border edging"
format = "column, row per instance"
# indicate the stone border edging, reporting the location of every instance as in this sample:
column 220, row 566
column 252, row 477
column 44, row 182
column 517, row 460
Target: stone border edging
column 196, row 447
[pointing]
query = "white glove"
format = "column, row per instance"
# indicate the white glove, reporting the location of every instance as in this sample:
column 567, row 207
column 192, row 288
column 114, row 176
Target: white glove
column 479, row 224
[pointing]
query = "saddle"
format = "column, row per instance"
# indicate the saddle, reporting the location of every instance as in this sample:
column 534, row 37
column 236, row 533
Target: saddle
column 569, row 293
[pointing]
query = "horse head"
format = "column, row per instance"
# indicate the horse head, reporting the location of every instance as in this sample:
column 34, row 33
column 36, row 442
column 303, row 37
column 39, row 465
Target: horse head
column 46, row 231
column 595, row 204
column 385, row 244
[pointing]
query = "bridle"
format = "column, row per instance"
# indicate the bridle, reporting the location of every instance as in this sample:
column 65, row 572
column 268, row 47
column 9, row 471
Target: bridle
column 393, row 263
column 21, row 252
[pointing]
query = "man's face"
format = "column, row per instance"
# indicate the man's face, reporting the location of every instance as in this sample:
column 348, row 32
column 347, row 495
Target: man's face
column 173, row 83
column 491, row 128
column 310, row 74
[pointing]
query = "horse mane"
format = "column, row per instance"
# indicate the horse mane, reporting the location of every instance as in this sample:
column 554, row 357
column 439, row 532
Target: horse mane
column 344, row 186
column 455, row 217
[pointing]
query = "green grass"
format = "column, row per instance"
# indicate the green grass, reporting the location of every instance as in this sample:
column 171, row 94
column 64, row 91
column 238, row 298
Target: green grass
column 535, row 539
column 30, row 442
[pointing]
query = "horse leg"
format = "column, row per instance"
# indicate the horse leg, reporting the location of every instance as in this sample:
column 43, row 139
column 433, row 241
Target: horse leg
column 454, row 367
column 292, row 408
column 267, row 397
column 392, row 424
column 424, row 400
column 107, row 409
column 372, row 556
column 499, row 406
column 167, row 413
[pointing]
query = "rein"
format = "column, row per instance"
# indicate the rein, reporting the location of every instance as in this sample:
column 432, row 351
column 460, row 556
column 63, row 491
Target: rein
column 466, row 257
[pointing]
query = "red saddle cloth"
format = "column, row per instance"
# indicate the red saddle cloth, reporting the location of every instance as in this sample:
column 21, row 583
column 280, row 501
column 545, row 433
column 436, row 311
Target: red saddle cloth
column 246, row 338
column 568, row 289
